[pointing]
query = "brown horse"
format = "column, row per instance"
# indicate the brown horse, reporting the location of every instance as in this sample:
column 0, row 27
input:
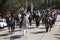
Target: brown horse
column 10, row 23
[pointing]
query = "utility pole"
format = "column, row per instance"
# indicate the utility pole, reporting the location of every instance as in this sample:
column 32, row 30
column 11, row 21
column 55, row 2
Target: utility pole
column 26, row 5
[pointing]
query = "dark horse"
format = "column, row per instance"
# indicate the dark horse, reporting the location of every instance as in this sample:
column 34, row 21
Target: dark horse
column 49, row 21
column 10, row 23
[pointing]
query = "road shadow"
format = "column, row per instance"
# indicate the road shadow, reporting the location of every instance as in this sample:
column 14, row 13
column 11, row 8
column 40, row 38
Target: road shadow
column 2, row 30
column 57, row 34
column 42, row 28
column 17, row 30
column 15, row 37
column 4, row 34
column 31, row 27
column 38, row 32
column 58, row 38
column 57, row 20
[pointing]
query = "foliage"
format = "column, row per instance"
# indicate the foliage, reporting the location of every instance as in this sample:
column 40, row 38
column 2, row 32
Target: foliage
column 13, row 5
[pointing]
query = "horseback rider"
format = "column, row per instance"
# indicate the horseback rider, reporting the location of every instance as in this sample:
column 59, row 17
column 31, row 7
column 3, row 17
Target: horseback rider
column 54, row 16
column 30, row 19
column 10, row 21
column 23, row 21
column 46, row 19
column 37, row 18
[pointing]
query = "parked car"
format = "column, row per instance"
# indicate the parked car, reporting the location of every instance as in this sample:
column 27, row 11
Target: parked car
column 3, row 23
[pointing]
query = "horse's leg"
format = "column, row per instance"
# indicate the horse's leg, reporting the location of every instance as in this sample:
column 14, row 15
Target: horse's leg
column 30, row 22
column 36, row 24
column 25, row 31
column 22, row 32
column 12, row 29
column 47, row 28
column 50, row 26
column 43, row 20
column 21, row 29
column 53, row 22
column 9, row 29
column 20, row 26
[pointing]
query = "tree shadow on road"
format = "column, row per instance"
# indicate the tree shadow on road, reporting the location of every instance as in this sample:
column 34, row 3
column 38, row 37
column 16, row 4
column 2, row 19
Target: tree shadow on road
column 4, row 34
column 58, row 21
column 17, row 30
column 42, row 28
column 38, row 32
column 31, row 27
column 2, row 30
column 57, row 36
column 15, row 37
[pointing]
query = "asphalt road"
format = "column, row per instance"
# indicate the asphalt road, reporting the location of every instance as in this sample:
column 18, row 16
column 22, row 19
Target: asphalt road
column 33, row 33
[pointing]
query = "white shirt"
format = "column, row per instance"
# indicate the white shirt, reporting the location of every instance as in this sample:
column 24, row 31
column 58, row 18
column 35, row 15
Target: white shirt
column 19, row 15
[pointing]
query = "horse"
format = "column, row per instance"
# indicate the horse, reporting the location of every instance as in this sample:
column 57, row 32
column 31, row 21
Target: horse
column 38, row 17
column 30, row 19
column 24, row 24
column 37, row 20
column 49, row 20
column 10, row 23
column 54, row 16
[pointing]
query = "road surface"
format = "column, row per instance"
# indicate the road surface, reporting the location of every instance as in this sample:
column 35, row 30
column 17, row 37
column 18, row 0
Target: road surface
column 33, row 33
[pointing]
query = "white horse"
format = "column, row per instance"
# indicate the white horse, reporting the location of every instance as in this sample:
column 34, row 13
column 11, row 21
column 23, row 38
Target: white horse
column 24, row 24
